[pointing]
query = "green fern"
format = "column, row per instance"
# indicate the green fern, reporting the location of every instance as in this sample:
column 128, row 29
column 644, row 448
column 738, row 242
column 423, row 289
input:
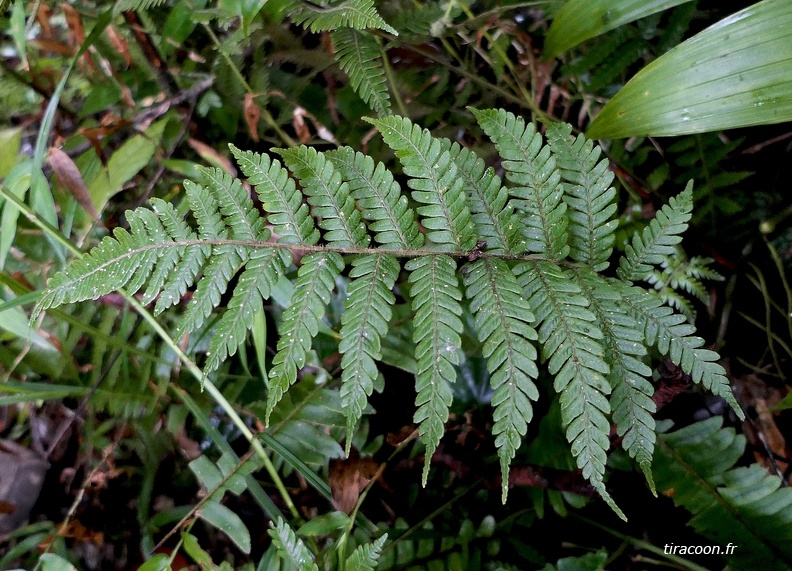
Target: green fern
column 360, row 56
column 731, row 505
column 290, row 547
column 357, row 14
column 366, row 556
column 530, row 251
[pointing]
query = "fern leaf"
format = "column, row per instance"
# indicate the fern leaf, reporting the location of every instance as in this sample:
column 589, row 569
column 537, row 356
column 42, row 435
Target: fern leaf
column 674, row 338
column 328, row 195
column 570, row 340
column 494, row 217
column 124, row 5
column 588, row 194
column 290, row 547
column 379, row 196
column 279, row 197
column 186, row 270
column 357, row 14
column 315, row 283
column 240, row 216
column 364, row 323
column 744, row 506
column 658, row 239
column 530, row 165
column 435, row 182
column 262, row 270
column 366, row 556
column 435, row 292
column 631, row 399
column 360, row 56
column 504, row 327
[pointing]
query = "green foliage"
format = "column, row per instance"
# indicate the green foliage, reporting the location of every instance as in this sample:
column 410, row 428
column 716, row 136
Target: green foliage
column 290, row 547
column 360, row 56
column 591, row 330
column 357, row 14
column 745, row 505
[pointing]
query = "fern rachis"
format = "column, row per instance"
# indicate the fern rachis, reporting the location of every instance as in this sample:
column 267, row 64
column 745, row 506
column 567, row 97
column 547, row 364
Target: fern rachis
column 592, row 330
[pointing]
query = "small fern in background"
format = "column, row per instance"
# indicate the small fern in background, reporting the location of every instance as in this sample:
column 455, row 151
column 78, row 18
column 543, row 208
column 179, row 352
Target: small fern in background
column 529, row 255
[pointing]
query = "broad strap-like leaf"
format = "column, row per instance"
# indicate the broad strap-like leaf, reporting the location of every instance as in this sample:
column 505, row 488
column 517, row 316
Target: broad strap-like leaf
column 357, row 14
column 588, row 194
column 492, row 213
column 290, row 547
column 366, row 556
column 279, row 197
column 329, row 196
column 504, row 327
column 571, row 343
column 435, row 182
column 658, row 239
column 674, row 338
column 312, row 290
column 359, row 54
column 631, row 399
column 435, row 299
column 364, row 323
column 744, row 508
column 379, row 196
column 531, row 167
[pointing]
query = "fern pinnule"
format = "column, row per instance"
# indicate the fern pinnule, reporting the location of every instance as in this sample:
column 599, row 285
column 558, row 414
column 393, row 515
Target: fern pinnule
column 631, row 397
column 674, row 338
column 571, row 344
column 366, row 556
column 312, row 290
column 435, row 182
column 379, row 195
column 290, row 547
column 504, row 327
column 360, row 56
column 588, row 194
column 239, row 214
column 329, row 196
column 494, row 217
column 658, row 239
column 532, row 168
column 435, row 292
column 364, row 323
column 357, row 14
column 279, row 198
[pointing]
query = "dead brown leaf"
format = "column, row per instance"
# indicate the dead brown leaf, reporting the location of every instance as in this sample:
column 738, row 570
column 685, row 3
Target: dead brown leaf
column 252, row 115
column 119, row 43
column 300, row 126
column 70, row 178
column 348, row 478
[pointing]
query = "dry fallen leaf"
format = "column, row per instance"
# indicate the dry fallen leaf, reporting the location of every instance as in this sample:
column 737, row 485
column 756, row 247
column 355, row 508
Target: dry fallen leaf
column 70, row 179
column 252, row 115
column 348, row 478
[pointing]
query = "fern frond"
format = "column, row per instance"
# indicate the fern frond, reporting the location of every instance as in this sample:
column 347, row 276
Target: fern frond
column 366, row 556
column 290, row 547
column 279, row 198
column 357, row 14
column 328, row 195
column 530, row 165
column 364, row 323
column 570, row 340
column 658, row 239
column 435, row 182
column 124, row 5
column 379, row 195
column 588, row 194
column 744, row 506
column 360, row 56
column 435, row 292
column 496, row 222
column 631, row 399
column 315, row 283
column 504, row 327
column 262, row 270
column 240, row 216
column 674, row 338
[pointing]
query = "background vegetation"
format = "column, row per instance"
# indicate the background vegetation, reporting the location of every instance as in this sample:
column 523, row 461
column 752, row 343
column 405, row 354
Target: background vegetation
column 106, row 106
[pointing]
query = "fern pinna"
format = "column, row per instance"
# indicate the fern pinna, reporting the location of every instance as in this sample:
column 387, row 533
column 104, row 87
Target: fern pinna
column 526, row 257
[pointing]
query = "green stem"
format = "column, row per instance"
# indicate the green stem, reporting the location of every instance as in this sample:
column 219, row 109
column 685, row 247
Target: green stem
column 265, row 114
column 392, row 81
